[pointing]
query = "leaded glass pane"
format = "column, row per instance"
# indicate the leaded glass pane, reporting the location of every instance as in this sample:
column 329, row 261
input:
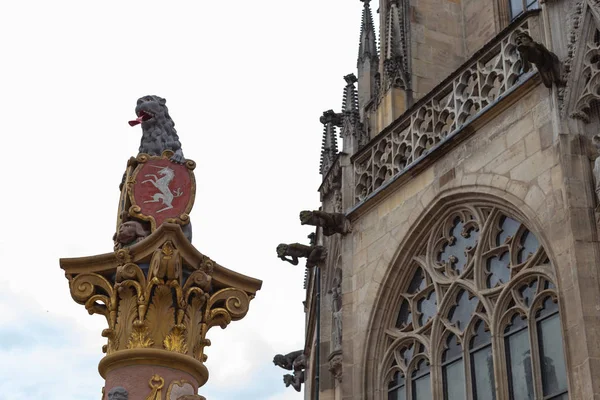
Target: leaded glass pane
column 404, row 316
column 454, row 381
column 528, row 292
column 549, row 307
column 519, row 365
column 516, row 8
column 482, row 371
column 554, row 373
column 417, row 283
column 532, row 5
column 530, row 245
column 461, row 313
column 508, row 228
column 499, row 269
column 453, row 349
column 481, row 336
column 427, row 306
column 396, row 388
column 421, row 385
column 422, row 388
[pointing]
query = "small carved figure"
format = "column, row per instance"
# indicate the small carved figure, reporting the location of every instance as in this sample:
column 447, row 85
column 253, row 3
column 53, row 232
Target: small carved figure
column 118, row 393
column 295, row 361
column 158, row 129
column 336, row 309
column 291, row 253
column 130, row 233
column 596, row 171
column 287, row 361
column 546, row 62
column 330, row 222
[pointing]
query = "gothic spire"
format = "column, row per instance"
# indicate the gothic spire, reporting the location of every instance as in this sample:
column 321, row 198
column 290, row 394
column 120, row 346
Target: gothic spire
column 350, row 100
column 329, row 148
column 395, row 46
column 352, row 130
column 368, row 59
column 368, row 43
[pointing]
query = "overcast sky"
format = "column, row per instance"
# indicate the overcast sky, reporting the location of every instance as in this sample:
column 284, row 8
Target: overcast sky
column 245, row 83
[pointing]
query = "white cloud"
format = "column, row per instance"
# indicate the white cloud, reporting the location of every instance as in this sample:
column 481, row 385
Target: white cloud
column 245, row 83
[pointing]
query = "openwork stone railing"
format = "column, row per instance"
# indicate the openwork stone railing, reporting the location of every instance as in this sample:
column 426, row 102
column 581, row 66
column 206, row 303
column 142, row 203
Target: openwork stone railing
column 465, row 95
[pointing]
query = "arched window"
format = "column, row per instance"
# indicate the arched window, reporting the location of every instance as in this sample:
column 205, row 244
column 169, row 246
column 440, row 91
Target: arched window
column 475, row 267
column 410, row 373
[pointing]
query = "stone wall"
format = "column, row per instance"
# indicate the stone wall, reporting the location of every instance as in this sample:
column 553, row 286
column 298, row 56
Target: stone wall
column 479, row 26
column 517, row 157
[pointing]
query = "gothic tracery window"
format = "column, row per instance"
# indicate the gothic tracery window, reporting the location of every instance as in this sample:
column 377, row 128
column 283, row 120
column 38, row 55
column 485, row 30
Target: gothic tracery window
column 478, row 267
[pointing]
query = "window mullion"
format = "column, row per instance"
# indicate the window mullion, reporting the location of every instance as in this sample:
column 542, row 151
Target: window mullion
column 538, row 389
column 467, row 367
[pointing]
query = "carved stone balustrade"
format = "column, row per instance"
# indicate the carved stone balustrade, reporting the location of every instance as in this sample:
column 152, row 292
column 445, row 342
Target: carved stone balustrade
column 159, row 297
column 489, row 76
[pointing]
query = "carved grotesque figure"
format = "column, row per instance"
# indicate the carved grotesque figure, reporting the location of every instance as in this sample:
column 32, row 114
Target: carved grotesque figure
column 118, row 393
column 129, row 233
column 330, row 222
column 292, row 252
column 158, row 129
column 546, row 62
column 295, row 361
column 287, row 361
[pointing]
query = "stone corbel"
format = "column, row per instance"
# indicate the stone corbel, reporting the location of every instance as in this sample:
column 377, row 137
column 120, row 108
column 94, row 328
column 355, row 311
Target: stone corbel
column 335, row 365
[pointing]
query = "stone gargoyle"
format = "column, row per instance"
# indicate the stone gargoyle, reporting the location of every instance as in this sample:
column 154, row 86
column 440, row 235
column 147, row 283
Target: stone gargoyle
column 547, row 62
column 293, row 251
column 330, row 222
column 294, row 361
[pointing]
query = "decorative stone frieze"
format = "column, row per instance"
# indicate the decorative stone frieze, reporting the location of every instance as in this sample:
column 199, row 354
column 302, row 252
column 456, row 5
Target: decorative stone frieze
column 474, row 88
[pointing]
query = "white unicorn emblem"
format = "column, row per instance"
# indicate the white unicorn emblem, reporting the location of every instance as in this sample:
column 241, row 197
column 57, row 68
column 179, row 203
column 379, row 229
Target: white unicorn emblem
column 162, row 184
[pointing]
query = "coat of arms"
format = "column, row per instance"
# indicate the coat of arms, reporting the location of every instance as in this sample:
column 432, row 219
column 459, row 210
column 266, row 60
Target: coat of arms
column 161, row 190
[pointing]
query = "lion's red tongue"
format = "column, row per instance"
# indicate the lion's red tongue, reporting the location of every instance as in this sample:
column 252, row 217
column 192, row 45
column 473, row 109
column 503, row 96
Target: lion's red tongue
column 136, row 121
column 144, row 116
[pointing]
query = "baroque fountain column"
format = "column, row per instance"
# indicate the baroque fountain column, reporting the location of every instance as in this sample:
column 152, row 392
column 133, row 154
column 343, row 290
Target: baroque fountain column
column 160, row 296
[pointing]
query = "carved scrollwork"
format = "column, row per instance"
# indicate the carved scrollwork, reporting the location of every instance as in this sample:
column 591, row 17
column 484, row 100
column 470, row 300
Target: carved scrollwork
column 156, row 308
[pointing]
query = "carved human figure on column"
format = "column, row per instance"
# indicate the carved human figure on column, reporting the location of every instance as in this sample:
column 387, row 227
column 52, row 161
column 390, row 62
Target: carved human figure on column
column 596, row 171
column 336, row 308
column 118, row 393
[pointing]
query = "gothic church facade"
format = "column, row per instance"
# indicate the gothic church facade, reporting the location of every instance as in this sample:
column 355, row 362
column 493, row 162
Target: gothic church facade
column 467, row 174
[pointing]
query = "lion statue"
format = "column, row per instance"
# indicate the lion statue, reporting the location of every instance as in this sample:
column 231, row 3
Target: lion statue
column 158, row 129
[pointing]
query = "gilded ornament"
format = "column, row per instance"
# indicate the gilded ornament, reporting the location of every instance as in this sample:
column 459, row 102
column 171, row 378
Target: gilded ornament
column 177, row 389
column 156, row 384
column 175, row 341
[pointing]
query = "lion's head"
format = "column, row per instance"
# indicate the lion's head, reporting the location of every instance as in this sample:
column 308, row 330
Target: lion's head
column 150, row 109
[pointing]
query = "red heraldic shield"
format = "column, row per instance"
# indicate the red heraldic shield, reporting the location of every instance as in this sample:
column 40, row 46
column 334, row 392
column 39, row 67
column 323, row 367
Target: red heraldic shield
column 162, row 191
